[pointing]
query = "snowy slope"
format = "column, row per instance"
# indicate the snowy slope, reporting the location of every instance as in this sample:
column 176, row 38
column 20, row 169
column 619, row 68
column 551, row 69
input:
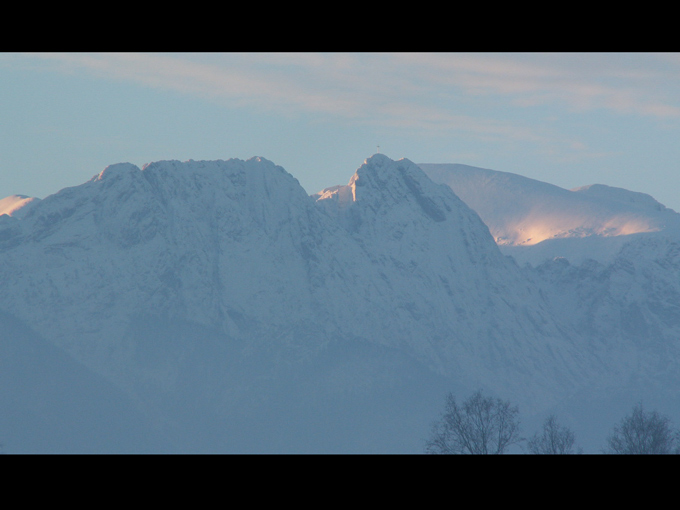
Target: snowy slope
column 535, row 221
column 629, row 308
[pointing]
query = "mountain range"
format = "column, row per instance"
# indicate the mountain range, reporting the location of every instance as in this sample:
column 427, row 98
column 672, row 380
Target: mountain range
column 215, row 306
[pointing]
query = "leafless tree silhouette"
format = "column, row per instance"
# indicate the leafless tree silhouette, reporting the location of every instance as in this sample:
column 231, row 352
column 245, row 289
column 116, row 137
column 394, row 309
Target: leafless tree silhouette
column 554, row 439
column 480, row 425
column 643, row 433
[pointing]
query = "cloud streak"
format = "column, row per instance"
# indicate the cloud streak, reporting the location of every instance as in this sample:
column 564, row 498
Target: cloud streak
column 624, row 83
column 427, row 92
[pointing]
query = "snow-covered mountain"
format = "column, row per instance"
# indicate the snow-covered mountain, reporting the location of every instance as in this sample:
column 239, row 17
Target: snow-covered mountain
column 535, row 221
column 445, row 289
column 233, row 312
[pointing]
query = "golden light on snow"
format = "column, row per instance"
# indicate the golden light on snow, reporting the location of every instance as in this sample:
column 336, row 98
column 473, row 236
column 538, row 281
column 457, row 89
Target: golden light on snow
column 529, row 232
column 9, row 205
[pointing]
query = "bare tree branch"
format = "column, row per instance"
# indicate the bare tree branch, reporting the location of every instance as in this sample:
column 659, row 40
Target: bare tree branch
column 643, row 433
column 481, row 425
column 553, row 440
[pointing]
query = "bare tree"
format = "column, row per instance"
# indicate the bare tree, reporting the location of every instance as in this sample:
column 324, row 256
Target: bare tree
column 481, row 425
column 643, row 433
column 553, row 439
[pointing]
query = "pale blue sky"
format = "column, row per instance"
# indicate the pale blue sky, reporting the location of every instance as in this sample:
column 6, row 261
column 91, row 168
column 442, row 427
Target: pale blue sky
column 566, row 119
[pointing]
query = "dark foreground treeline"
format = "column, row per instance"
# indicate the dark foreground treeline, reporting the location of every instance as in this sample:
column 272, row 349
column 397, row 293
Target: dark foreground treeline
column 487, row 425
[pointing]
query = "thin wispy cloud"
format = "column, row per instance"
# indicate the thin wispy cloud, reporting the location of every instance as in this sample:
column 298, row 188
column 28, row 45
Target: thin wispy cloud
column 432, row 94
column 630, row 84
column 353, row 84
